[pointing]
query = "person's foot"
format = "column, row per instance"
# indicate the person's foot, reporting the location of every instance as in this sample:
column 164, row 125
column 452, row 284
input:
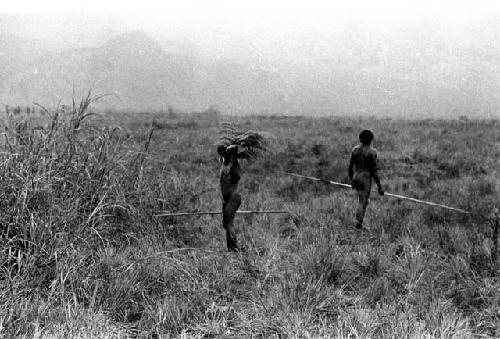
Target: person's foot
column 235, row 248
column 361, row 227
column 231, row 243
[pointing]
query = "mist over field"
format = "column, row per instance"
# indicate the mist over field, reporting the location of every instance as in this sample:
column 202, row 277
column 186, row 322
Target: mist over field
column 420, row 67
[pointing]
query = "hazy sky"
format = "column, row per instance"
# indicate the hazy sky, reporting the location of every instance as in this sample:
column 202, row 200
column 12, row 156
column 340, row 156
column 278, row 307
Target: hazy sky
column 268, row 13
column 448, row 44
column 220, row 25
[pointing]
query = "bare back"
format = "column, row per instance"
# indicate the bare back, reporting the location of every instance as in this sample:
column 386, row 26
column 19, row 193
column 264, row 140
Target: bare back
column 364, row 159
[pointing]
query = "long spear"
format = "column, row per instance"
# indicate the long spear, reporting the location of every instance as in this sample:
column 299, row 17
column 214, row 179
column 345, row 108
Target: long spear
column 428, row 203
column 181, row 214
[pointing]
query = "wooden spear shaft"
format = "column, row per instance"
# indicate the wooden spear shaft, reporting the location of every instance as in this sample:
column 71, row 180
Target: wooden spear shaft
column 181, row 214
column 418, row 201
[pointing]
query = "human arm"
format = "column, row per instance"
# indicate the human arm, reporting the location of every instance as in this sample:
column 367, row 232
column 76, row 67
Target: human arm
column 350, row 170
column 376, row 178
column 375, row 175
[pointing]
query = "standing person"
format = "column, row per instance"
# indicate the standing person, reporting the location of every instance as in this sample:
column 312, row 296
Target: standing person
column 362, row 168
column 235, row 145
column 230, row 175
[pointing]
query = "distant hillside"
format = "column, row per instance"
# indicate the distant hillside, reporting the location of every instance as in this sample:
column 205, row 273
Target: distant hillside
column 366, row 77
column 142, row 74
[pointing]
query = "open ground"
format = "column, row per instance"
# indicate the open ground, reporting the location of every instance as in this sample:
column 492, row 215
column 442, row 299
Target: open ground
column 83, row 256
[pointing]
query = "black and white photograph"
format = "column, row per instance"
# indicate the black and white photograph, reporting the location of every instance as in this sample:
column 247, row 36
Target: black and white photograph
column 263, row 169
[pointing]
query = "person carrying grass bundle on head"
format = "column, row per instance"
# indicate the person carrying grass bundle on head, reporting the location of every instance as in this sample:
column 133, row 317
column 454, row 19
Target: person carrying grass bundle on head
column 362, row 168
column 235, row 145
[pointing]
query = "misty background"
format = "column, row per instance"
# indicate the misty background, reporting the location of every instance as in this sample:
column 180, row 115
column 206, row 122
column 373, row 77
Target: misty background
column 412, row 64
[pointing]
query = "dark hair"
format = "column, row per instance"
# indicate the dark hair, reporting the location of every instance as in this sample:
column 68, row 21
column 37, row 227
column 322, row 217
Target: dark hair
column 221, row 149
column 366, row 137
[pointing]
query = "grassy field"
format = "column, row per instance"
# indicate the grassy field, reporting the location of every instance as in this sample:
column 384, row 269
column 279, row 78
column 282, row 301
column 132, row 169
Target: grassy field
column 82, row 255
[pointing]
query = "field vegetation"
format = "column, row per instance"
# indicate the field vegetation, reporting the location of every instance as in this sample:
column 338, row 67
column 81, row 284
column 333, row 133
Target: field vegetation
column 82, row 254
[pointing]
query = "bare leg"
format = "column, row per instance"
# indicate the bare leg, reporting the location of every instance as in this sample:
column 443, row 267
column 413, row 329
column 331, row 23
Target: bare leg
column 229, row 209
column 363, row 186
column 360, row 212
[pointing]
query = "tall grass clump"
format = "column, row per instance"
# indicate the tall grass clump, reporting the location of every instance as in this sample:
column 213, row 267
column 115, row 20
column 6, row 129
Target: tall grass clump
column 69, row 187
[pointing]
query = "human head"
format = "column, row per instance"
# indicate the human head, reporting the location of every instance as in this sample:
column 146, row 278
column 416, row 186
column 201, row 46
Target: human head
column 227, row 153
column 221, row 150
column 366, row 137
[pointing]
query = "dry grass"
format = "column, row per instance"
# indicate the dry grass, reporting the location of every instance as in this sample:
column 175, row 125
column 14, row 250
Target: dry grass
column 250, row 143
column 83, row 257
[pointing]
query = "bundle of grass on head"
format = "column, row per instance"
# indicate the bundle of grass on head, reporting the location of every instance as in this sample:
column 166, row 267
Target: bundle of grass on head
column 242, row 144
